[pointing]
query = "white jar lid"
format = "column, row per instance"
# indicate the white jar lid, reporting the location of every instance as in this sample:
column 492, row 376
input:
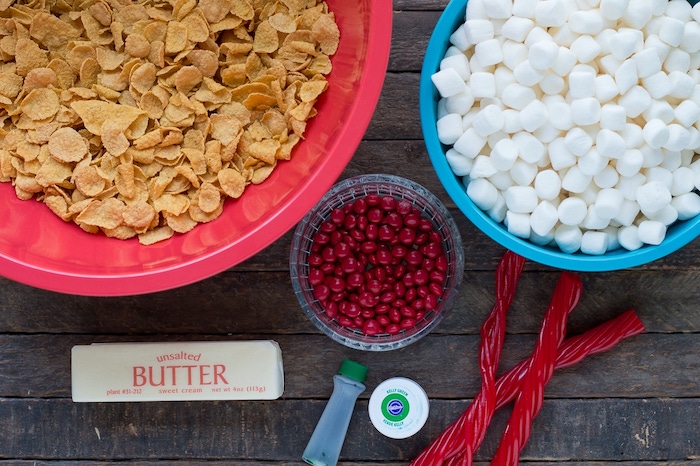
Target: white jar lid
column 398, row 407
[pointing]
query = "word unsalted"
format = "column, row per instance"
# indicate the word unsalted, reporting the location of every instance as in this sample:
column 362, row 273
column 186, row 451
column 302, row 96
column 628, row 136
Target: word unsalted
column 230, row 370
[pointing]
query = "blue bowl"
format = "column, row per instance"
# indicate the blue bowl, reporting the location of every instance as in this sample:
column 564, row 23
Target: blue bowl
column 678, row 235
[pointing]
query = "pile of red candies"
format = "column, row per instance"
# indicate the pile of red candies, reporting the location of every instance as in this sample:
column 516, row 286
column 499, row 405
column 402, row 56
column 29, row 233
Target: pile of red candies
column 377, row 265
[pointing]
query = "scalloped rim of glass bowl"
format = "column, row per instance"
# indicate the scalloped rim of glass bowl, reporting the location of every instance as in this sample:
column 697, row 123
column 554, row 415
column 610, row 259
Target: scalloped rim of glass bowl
column 340, row 194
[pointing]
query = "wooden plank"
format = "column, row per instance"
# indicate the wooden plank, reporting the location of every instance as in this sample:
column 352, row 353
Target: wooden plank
column 651, row 365
column 588, row 430
column 254, row 302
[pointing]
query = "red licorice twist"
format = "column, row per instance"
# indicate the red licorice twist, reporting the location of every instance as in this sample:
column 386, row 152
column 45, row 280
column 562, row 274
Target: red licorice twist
column 540, row 370
column 459, row 440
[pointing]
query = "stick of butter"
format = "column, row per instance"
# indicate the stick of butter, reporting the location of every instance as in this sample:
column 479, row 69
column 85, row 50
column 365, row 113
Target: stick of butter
column 177, row 371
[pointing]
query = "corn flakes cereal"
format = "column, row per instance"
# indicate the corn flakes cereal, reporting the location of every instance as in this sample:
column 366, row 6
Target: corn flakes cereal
column 141, row 119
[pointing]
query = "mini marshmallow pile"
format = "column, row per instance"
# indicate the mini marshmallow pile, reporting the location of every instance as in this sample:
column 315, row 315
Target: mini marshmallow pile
column 576, row 123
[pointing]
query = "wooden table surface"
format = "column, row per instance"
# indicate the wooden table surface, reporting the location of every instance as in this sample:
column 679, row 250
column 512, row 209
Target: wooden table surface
column 636, row 404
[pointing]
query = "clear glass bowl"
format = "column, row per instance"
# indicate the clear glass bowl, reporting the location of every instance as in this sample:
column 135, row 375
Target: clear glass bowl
column 348, row 191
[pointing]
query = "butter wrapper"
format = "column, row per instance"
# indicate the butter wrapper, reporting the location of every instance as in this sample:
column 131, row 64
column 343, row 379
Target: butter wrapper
column 177, row 371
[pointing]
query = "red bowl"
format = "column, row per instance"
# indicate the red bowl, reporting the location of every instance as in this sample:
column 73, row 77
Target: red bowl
column 39, row 249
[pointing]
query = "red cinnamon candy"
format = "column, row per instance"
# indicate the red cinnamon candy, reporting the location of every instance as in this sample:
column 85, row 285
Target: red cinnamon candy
column 539, row 371
column 462, row 439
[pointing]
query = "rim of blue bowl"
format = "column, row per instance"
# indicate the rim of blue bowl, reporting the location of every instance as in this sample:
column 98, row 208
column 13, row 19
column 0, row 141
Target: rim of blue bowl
column 678, row 235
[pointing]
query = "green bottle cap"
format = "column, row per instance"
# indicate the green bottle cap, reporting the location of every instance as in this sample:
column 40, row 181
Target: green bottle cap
column 354, row 370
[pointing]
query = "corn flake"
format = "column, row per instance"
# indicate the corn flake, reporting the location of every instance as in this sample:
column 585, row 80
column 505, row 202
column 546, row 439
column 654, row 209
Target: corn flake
column 140, row 119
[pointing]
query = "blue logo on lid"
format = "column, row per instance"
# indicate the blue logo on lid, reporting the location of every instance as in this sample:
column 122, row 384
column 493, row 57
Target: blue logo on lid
column 395, row 407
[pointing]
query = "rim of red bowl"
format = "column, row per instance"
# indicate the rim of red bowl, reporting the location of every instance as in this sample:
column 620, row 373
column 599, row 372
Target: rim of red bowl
column 58, row 277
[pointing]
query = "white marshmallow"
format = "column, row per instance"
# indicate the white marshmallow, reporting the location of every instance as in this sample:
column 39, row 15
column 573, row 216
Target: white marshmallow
column 501, row 180
column 523, row 173
column 565, row 61
column 568, row 238
column 545, row 240
column 613, row 117
column 449, row 128
column 575, row 180
column 660, row 174
column 683, row 85
column 530, row 149
column 603, row 38
column 548, row 184
column 459, row 38
column 585, row 48
column 552, row 84
column 653, row 42
column 635, row 101
column 560, row 157
column 613, row 242
column 551, row 13
column 448, row 82
column 518, row 224
column 671, row 31
column 460, row 103
column 498, row 211
column 593, row 221
column 647, row 62
column 441, row 108
column 563, row 35
column 586, row 22
column 517, row 96
column 488, row 52
column 498, row 9
column 625, row 43
column 609, row 64
column 665, row 216
column 677, row 60
column 626, row 76
column 687, row 205
column 637, row 14
column 655, row 133
column 628, row 237
column 691, row 37
column 607, row 177
column 482, row 168
column 678, row 137
column 482, row 84
column 653, row 196
column 652, row 157
column 592, row 162
column 524, row 8
column 526, row 74
column 543, row 218
column 594, row 242
column 628, row 213
column 543, row 54
column 560, row 115
column 630, row 163
column 651, row 232
column 521, row 199
column 605, row 88
column 581, row 84
column 683, row 181
column 585, row 111
column 489, row 120
column 511, row 121
column 658, row 85
column 610, row 144
column 460, row 164
column 572, row 210
column 514, row 53
column 476, row 10
column 537, row 34
column 660, row 109
column 534, row 115
column 459, row 63
column 517, row 28
column 546, row 134
column 672, row 160
column 578, row 141
column 687, row 113
column 609, row 202
column 478, row 30
column 482, row 193
column 613, row 9
column 470, row 143
column 504, row 154
column 632, row 134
